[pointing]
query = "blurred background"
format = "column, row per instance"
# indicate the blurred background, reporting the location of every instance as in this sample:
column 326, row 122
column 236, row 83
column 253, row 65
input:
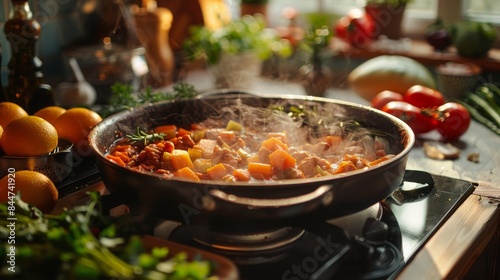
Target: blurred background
column 76, row 28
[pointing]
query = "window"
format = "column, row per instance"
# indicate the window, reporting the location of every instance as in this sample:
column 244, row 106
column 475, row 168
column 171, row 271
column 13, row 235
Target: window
column 420, row 13
column 484, row 10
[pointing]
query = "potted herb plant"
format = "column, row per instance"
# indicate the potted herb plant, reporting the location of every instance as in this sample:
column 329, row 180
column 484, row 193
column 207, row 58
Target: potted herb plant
column 317, row 76
column 234, row 53
column 387, row 15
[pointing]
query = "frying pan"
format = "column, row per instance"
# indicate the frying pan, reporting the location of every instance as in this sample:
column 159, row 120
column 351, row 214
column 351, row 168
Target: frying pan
column 237, row 205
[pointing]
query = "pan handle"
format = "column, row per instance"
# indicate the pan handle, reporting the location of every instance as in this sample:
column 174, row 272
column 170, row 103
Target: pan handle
column 322, row 196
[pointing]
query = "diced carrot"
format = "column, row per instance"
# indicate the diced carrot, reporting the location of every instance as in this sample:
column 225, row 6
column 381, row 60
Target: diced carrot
column 281, row 159
column 280, row 135
column 181, row 132
column 254, row 158
column 186, row 173
column 170, row 130
column 345, row 166
column 217, row 171
column 227, row 136
column 379, row 160
column 116, row 160
column 260, row 170
column 332, row 140
column 123, row 148
column 241, row 174
column 123, row 156
column 356, row 160
column 181, row 159
column 274, row 143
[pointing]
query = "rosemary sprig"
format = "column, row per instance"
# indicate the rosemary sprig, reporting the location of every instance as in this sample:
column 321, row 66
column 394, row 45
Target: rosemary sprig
column 124, row 96
column 144, row 137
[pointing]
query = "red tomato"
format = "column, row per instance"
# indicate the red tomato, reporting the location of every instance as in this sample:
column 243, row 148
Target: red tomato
column 424, row 97
column 453, row 120
column 384, row 97
column 412, row 115
column 355, row 28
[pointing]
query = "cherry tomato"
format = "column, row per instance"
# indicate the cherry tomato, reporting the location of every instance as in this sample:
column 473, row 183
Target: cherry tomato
column 412, row 115
column 423, row 97
column 355, row 28
column 384, row 97
column 453, row 120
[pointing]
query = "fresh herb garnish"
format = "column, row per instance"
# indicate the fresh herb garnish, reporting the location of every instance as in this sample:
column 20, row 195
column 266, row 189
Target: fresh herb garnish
column 144, row 137
column 124, row 96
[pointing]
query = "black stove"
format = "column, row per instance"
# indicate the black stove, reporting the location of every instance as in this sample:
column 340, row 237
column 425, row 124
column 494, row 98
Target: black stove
column 373, row 244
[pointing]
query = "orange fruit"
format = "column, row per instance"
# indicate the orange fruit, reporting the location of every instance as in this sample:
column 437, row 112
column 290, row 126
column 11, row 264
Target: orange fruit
column 29, row 136
column 1, row 132
column 74, row 125
column 50, row 113
column 34, row 188
column 10, row 111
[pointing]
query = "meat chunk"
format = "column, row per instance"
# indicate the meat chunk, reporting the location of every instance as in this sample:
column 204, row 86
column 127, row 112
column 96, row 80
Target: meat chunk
column 207, row 146
column 148, row 159
column 308, row 165
column 299, row 155
column 226, row 156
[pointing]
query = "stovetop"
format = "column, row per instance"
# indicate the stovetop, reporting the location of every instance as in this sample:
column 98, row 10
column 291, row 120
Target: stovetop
column 378, row 249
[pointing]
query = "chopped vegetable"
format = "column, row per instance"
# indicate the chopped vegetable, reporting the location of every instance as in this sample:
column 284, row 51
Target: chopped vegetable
column 241, row 174
column 282, row 160
column 274, row 143
column 260, row 170
column 234, row 126
column 170, row 131
column 181, row 159
column 187, row 173
column 247, row 154
column 217, row 172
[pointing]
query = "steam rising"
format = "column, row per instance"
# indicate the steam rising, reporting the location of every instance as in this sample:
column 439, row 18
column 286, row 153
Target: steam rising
column 304, row 123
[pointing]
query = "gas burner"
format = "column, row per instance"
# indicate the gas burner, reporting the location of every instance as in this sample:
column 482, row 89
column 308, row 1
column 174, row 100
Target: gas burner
column 271, row 240
column 282, row 253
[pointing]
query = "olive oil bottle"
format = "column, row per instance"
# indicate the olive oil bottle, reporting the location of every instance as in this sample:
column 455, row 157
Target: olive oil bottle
column 25, row 79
